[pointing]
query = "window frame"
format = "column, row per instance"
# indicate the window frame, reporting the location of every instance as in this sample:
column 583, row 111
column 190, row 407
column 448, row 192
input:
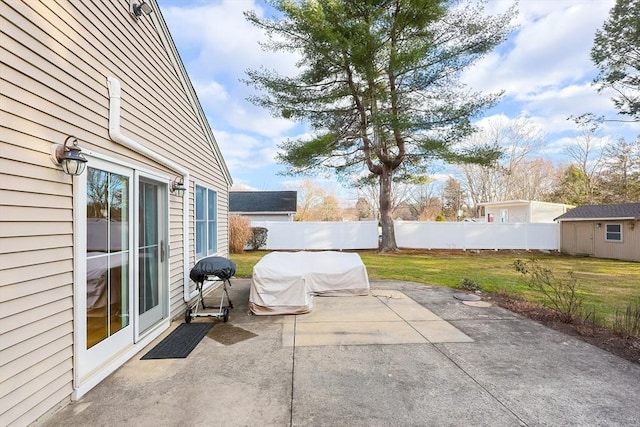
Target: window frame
column 205, row 222
column 607, row 233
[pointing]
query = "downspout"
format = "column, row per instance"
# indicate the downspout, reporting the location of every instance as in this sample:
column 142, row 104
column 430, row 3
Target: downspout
column 116, row 135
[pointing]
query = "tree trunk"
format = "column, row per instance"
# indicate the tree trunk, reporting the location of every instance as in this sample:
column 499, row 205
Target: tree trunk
column 388, row 233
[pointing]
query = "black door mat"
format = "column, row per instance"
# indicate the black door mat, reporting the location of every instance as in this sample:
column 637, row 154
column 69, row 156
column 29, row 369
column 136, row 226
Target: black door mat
column 179, row 343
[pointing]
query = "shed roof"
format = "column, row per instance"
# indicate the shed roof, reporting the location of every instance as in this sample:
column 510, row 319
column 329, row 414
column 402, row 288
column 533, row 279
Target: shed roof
column 612, row 211
column 263, row 201
column 520, row 202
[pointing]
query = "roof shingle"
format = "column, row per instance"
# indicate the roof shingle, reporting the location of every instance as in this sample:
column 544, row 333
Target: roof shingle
column 263, row 201
column 618, row 211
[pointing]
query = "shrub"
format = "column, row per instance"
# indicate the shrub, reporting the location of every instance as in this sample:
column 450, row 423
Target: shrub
column 440, row 218
column 257, row 238
column 239, row 232
column 627, row 323
column 469, row 285
column 561, row 292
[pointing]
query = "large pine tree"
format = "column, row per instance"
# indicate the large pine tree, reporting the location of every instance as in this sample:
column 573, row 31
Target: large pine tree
column 616, row 53
column 378, row 84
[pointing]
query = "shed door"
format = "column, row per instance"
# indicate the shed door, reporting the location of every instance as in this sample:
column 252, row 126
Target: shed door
column 584, row 238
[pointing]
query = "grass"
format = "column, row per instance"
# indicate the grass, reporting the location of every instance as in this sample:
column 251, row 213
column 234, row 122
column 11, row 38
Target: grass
column 606, row 286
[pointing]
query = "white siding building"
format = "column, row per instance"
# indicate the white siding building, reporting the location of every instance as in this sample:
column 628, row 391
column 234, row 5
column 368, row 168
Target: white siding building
column 514, row 211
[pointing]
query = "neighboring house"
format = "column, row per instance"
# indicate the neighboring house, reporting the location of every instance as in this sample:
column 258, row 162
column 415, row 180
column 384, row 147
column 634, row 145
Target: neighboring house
column 512, row 211
column 93, row 267
column 603, row 231
column 264, row 205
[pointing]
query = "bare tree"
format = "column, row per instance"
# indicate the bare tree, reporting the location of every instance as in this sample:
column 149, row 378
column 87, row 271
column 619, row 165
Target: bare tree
column 533, row 179
column 508, row 177
column 424, row 200
column 369, row 190
column 620, row 181
column 587, row 155
column 317, row 204
column 454, row 205
column 363, row 208
column 330, row 208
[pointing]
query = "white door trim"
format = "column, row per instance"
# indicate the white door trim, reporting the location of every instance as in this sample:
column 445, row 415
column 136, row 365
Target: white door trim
column 162, row 180
column 86, row 377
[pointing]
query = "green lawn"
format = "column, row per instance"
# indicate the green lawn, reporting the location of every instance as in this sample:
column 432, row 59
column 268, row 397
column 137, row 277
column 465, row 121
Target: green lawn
column 606, row 285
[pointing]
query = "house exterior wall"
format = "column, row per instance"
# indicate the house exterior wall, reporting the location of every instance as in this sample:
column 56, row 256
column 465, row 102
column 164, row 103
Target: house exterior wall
column 514, row 213
column 54, row 61
column 588, row 237
column 523, row 211
column 546, row 212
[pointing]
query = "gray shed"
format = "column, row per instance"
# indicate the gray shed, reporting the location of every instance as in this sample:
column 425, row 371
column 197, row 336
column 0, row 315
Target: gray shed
column 603, row 231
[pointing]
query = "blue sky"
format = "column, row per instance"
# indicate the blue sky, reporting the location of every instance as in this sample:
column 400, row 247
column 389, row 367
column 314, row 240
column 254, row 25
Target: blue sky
column 544, row 67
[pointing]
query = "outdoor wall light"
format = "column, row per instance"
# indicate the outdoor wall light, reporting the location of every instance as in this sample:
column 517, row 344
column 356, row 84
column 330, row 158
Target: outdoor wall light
column 598, row 224
column 70, row 157
column 177, row 187
column 142, row 8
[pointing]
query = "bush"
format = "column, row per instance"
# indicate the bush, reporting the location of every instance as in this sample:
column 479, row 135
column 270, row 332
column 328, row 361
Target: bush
column 627, row 322
column 469, row 285
column 561, row 292
column 257, row 238
column 239, row 232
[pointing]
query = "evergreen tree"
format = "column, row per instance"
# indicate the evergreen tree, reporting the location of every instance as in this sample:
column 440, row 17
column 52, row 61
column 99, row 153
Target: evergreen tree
column 616, row 53
column 378, row 84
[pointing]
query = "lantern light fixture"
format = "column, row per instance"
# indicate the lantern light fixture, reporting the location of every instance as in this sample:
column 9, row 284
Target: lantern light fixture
column 70, row 157
column 177, row 187
column 142, row 8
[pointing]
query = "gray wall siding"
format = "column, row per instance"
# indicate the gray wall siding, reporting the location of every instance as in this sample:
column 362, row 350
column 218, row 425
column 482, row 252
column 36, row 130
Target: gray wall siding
column 55, row 57
column 584, row 237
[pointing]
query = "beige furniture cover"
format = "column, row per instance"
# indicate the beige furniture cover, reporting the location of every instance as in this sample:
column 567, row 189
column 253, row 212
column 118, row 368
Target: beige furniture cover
column 285, row 282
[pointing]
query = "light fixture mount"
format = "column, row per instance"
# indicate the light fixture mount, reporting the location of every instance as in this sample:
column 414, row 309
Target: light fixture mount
column 70, row 157
column 141, row 8
column 177, row 187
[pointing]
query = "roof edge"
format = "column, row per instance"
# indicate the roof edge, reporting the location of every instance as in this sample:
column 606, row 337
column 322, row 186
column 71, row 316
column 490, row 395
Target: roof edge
column 167, row 40
column 622, row 218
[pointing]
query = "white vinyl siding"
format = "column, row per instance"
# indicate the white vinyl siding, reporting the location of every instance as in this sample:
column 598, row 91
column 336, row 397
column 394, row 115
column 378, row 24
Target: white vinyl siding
column 54, row 61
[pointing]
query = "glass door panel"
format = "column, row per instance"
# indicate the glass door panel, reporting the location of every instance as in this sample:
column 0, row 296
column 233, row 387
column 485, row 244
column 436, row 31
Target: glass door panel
column 108, row 253
column 151, row 253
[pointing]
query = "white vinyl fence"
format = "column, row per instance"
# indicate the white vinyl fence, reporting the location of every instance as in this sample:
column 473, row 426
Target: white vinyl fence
column 477, row 235
column 320, row 235
column 410, row 235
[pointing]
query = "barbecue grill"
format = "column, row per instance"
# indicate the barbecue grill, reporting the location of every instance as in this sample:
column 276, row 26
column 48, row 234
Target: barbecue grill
column 218, row 270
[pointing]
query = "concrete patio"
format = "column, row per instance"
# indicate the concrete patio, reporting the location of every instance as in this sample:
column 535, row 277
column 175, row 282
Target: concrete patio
column 408, row 354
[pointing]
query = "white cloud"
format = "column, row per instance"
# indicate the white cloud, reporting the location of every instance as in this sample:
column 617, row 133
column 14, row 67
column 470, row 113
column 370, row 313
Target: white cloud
column 551, row 48
column 221, row 42
column 243, row 151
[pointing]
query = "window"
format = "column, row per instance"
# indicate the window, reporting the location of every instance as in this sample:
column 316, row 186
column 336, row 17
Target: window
column 613, row 233
column 206, row 222
column 504, row 215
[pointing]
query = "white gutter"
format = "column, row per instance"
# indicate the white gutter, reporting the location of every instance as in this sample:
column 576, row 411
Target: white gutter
column 116, row 135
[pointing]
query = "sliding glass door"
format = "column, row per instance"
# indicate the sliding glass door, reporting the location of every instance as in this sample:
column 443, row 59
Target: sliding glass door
column 152, row 253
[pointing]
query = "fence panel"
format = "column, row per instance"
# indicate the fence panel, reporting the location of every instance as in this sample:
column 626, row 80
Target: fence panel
column 320, row 235
column 411, row 235
column 475, row 235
